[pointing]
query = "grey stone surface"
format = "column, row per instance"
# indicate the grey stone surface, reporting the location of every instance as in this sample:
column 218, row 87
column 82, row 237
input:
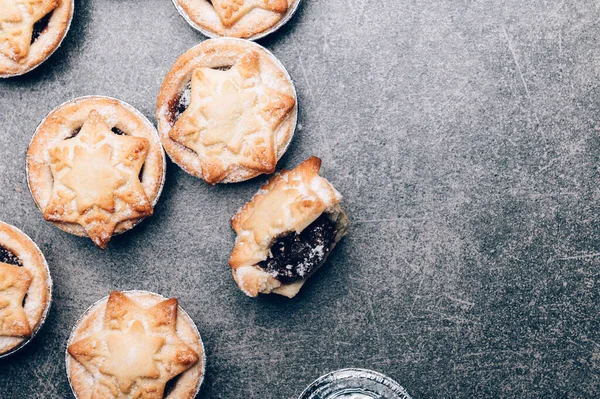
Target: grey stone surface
column 464, row 136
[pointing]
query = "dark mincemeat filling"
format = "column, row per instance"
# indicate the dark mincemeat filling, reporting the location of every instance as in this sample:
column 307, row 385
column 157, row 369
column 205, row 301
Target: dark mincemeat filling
column 180, row 104
column 170, row 386
column 295, row 256
column 7, row 256
column 74, row 134
column 116, row 131
column 223, row 68
column 39, row 26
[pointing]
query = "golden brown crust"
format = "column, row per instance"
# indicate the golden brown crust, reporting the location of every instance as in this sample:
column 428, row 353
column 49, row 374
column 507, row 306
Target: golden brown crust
column 14, row 283
column 247, row 19
column 130, row 345
column 88, row 184
column 245, row 138
column 17, row 18
column 19, row 321
column 289, row 201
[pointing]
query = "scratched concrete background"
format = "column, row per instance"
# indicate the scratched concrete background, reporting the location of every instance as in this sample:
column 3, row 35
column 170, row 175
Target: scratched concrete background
column 464, row 136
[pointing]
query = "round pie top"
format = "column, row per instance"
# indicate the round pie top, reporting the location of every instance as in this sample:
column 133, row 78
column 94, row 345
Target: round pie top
column 135, row 344
column 25, row 289
column 30, row 31
column 246, row 19
column 95, row 167
column 227, row 111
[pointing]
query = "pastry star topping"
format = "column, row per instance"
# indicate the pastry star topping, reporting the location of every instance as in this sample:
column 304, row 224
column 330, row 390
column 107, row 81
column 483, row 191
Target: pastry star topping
column 231, row 11
column 96, row 181
column 132, row 355
column 232, row 119
column 137, row 352
column 17, row 18
column 14, row 283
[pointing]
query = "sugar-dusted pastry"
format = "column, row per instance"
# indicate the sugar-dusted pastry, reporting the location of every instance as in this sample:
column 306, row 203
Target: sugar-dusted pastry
column 226, row 111
column 95, row 167
column 25, row 289
column 247, row 19
column 30, row 31
column 286, row 232
column 135, row 344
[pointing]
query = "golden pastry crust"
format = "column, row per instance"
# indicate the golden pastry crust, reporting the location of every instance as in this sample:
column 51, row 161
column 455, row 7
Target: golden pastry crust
column 14, row 283
column 130, row 344
column 289, row 201
column 30, row 281
column 89, row 184
column 246, row 19
column 225, row 144
column 17, row 19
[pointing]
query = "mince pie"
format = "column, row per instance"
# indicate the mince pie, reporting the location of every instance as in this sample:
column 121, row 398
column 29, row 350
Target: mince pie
column 286, row 232
column 226, row 111
column 247, row 19
column 25, row 289
column 132, row 345
column 95, row 167
column 30, row 31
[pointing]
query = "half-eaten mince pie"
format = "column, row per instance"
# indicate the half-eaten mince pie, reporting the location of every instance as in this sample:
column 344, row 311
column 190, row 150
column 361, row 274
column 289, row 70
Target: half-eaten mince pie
column 30, row 31
column 286, row 232
column 135, row 344
column 226, row 111
column 25, row 289
column 247, row 19
column 95, row 167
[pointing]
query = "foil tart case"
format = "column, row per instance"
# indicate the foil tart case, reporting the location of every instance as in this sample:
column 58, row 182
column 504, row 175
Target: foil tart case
column 13, row 75
column 212, row 35
column 100, row 302
column 46, row 310
column 133, row 110
column 286, row 73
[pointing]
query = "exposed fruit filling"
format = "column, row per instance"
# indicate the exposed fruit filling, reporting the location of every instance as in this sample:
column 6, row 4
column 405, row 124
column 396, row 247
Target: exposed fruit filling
column 295, row 256
column 7, row 256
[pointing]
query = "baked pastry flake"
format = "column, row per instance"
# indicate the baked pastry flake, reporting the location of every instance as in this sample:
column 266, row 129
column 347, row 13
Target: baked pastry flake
column 286, row 232
column 226, row 111
column 25, row 289
column 130, row 345
column 247, row 19
column 85, row 163
column 30, row 31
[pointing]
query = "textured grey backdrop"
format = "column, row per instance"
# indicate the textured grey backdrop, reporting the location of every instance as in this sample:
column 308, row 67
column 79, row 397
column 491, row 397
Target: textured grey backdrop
column 464, row 135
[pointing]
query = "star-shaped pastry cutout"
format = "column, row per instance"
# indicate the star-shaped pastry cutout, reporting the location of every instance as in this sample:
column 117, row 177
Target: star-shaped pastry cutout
column 17, row 18
column 132, row 355
column 231, row 11
column 96, row 180
column 137, row 352
column 14, row 283
column 232, row 119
